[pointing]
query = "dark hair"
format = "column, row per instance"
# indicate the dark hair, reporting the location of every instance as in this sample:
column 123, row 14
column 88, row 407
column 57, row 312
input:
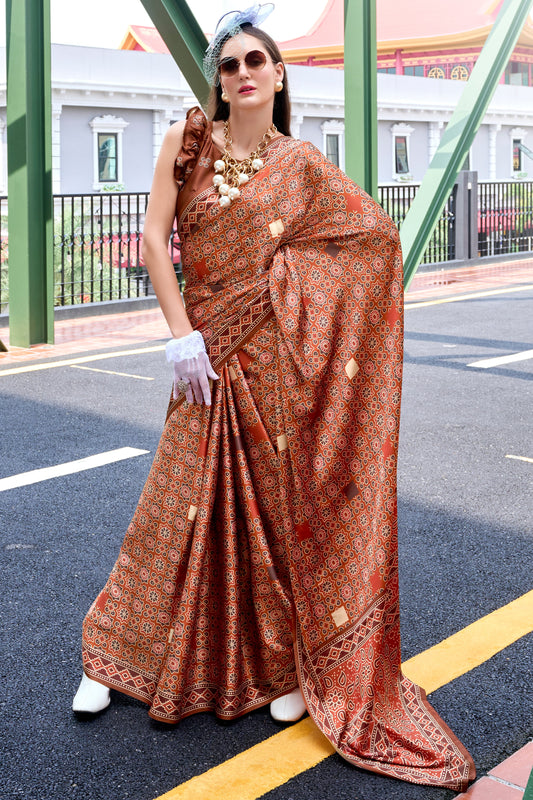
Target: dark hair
column 218, row 109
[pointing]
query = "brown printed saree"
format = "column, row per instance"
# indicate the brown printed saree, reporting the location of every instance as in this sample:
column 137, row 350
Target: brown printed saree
column 263, row 551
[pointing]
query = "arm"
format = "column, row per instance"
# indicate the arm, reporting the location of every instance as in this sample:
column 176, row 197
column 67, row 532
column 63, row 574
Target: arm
column 157, row 229
column 192, row 369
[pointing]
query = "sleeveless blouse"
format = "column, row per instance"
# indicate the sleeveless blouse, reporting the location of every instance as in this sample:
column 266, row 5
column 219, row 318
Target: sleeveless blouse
column 197, row 150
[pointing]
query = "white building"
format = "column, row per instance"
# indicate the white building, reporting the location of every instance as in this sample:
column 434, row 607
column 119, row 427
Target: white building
column 111, row 108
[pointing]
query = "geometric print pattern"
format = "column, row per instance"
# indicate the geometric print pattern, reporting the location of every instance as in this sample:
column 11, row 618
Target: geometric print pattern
column 263, row 550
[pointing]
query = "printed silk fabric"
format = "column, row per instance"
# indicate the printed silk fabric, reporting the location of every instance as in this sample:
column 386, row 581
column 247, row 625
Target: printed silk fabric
column 263, row 551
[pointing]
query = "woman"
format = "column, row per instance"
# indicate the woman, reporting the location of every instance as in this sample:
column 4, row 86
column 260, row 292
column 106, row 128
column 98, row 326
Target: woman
column 261, row 562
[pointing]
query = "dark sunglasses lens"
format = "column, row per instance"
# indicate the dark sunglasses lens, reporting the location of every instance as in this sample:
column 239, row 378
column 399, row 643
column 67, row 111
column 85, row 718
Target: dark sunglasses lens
column 229, row 67
column 255, row 59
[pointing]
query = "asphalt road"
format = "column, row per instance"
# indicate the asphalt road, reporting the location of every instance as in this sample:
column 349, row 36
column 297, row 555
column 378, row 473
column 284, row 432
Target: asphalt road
column 465, row 550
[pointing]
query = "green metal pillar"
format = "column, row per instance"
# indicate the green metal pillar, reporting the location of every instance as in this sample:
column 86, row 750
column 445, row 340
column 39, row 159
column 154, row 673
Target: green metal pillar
column 184, row 38
column 360, row 94
column 29, row 145
column 459, row 134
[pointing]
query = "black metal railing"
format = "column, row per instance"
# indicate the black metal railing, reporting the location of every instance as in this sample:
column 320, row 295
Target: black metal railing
column 396, row 200
column 97, row 240
column 98, row 237
column 97, row 248
column 505, row 217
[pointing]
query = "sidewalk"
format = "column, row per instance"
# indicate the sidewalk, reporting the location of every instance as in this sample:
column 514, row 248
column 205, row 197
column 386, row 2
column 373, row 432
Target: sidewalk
column 129, row 328
column 507, row 781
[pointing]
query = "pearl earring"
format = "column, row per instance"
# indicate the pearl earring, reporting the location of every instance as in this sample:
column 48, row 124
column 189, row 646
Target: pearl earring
column 224, row 97
column 278, row 86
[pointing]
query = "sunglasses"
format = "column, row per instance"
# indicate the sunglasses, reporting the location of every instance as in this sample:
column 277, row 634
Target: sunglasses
column 254, row 60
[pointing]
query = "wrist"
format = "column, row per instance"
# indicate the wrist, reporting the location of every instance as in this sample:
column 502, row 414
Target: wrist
column 180, row 333
column 182, row 347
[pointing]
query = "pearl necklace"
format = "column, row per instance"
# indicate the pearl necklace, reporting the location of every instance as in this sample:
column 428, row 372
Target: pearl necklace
column 230, row 173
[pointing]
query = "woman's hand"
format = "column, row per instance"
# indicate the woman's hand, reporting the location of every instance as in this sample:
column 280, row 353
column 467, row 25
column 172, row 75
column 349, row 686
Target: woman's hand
column 192, row 368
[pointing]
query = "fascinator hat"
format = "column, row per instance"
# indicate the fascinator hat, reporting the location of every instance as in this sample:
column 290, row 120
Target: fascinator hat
column 228, row 26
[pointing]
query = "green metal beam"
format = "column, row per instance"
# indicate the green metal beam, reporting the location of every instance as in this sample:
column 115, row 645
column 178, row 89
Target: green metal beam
column 459, row 134
column 29, row 146
column 184, row 38
column 528, row 793
column 360, row 94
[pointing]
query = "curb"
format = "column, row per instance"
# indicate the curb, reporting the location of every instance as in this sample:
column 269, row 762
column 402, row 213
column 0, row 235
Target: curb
column 510, row 780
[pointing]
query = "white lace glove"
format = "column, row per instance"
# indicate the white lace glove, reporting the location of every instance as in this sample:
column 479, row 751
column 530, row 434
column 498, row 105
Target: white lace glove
column 192, row 368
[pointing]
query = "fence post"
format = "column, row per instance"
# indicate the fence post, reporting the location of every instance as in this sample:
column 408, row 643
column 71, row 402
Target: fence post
column 461, row 217
column 466, row 214
column 472, row 187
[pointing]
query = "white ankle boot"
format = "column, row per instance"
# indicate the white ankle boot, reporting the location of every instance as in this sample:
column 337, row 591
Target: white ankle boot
column 91, row 696
column 288, row 708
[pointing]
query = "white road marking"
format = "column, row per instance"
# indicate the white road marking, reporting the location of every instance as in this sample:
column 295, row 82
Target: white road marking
column 67, row 362
column 521, row 458
column 81, row 464
column 111, row 372
column 486, row 363
column 460, row 297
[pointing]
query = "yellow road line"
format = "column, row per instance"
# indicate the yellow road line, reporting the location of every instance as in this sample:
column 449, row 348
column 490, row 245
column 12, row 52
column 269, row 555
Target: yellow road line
column 261, row 768
column 67, row 362
column 472, row 296
column 111, row 372
column 471, row 646
column 521, row 458
column 272, row 763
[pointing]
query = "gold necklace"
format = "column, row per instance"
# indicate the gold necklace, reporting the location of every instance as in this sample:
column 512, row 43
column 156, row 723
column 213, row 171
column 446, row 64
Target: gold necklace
column 230, row 173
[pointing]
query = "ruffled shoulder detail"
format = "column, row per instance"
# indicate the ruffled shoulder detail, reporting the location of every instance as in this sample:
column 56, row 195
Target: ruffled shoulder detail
column 194, row 134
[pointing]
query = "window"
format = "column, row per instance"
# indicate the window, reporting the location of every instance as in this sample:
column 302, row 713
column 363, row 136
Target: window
column 332, row 147
column 518, row 167
column 107, row 149
column 333, row 141
column 400, row 151
column 459, row 73
column 517, row 73
column 416, row 70
column 517, row 156
column 387, row 70
column 437, row 72
column 400, row 155
column 107, row 158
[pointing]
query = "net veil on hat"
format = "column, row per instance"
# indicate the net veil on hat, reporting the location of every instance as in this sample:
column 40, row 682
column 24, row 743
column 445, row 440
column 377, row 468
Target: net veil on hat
column 230, row 25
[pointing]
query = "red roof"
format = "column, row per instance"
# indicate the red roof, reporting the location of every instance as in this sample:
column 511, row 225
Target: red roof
column 441, row 21
column 140, row 37
column 397, row 22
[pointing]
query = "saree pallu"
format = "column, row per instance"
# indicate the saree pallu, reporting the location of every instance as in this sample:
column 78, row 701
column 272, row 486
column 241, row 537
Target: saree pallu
column 263, row 551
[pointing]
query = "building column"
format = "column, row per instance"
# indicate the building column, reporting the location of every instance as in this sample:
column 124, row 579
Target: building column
column 161, row 119
column 435, row 132
column 56, row 147
column 399, row 62
column 296, row 124
column 493, row 132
